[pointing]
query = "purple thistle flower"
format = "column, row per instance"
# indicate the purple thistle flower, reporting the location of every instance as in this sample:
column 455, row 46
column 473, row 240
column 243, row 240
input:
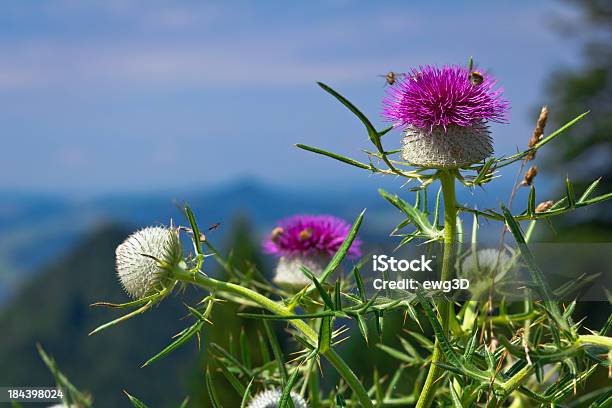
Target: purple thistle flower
column 310, row 235
column 430, row 97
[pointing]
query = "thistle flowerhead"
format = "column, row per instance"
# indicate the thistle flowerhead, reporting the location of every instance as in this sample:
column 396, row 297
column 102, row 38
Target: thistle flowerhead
column 484, row 268
column 444, row 113
column 308, row 240
column 271, row 399
column 144, row 258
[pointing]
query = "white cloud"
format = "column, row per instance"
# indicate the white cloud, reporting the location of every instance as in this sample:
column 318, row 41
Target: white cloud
column 185, row 45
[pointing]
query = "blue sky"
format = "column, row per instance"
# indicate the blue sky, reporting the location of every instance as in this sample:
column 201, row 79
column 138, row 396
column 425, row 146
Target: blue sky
column 104, row 96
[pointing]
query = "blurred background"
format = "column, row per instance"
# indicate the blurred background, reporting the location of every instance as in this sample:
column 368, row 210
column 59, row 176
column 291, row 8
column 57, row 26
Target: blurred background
column 114, row 113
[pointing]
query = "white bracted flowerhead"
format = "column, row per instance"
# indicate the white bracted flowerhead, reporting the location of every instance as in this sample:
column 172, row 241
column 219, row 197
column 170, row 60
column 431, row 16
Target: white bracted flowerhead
column 452, row 147
column 484, row 268
column 289, row 272
column 271, row 398
column 138, row 268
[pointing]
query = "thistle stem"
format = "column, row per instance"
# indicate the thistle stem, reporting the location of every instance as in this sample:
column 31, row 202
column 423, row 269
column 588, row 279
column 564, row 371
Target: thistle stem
column 340, row 365
column 593, row 339
column 447, row 179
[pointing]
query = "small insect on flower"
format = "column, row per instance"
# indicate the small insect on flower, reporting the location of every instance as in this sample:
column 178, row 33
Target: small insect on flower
column 309, row 241
column 144, row 259
column 276, row 233
column 271, row 399
column 476, row 78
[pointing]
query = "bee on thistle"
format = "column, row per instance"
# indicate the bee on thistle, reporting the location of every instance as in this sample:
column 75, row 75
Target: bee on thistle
column 476, row 78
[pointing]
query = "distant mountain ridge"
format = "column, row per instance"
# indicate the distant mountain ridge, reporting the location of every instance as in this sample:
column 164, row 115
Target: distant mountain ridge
column 34, row 228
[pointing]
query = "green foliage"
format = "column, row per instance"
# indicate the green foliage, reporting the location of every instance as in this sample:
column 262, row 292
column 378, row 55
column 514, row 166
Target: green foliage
column 480, row 354
column 585, row 149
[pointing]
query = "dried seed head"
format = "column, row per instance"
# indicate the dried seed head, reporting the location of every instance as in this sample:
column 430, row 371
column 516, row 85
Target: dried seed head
column 453, row 147
column 138, row 266
column 544, row 206
column 271, row 399
column 529, row 176
column 538, row 132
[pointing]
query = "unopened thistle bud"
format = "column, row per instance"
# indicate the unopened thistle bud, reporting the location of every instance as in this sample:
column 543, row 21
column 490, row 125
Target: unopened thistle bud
column 538, row 132
column 529, row 176
column 144, row 259
column 444, row 115
column 271, row 399
column 544, row 206
column 309, row 241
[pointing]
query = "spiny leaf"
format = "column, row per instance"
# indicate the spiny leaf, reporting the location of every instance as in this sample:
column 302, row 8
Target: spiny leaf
column 398, row 355
column 363, row 326
column 286, row 400
column 449, row 353
column 456, row 400
column 589, row 190
column 359, row 282
column 244, row 349
column 233, row 360
column 194, row 228
column 184, row 336
column 569, row 192
column 212, row 393
column 536, row 274
column 246, row 395
column 337, row 297
column 325, row 335
column 263, row 316
column 322, row 292
column 263, row 349
column 276, row 350
column 232, row 379
column 135, row 401
column 335, row 156
column 372, row 133
column 531, row 205
column 418, row 218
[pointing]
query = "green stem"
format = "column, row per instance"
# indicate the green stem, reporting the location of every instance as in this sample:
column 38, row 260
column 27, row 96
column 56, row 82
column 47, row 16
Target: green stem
column 596, row 340
column 447, row 179
column 343, row 369
column 517, row 379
